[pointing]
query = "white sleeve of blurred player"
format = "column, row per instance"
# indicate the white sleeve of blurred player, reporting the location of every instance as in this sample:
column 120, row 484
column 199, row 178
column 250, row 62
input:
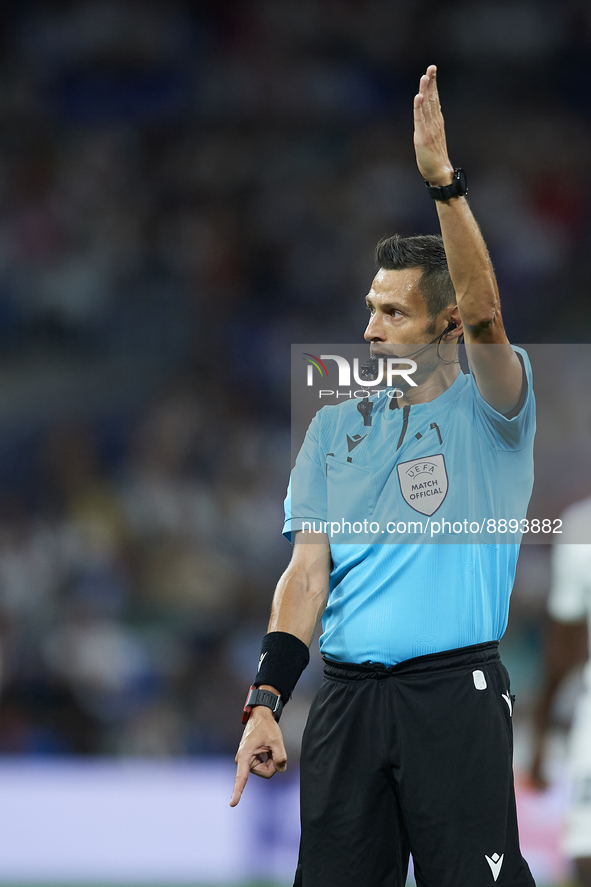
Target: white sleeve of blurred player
column 570, row 591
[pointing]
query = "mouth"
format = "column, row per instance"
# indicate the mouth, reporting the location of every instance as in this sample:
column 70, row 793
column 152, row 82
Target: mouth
column 375, row 355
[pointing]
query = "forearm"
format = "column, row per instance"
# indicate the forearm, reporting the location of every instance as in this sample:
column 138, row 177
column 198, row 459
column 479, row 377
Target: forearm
column 469, row 266
column 468, row 261
column 298, row 603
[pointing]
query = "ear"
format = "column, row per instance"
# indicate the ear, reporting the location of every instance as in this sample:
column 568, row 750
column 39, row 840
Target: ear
column 454, row 315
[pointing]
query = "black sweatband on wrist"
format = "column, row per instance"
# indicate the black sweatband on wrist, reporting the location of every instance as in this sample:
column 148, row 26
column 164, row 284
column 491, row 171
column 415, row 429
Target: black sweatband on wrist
column 283, row 659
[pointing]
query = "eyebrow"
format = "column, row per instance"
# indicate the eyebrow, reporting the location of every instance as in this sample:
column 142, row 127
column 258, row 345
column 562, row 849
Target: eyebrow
column 387, row 306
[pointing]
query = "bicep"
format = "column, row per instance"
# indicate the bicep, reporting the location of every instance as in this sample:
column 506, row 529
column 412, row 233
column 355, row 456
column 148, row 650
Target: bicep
column 498, row 373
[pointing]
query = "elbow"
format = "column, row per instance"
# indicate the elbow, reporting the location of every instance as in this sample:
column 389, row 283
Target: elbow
column 479, row 319
column 479, row 303
column 478, row 325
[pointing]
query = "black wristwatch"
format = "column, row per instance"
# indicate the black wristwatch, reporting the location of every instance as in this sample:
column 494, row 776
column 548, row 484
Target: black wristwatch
column 257, row 696
column 458, row 187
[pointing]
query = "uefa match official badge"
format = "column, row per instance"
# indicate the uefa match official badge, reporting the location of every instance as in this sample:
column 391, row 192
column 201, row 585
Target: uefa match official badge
column 423, row 483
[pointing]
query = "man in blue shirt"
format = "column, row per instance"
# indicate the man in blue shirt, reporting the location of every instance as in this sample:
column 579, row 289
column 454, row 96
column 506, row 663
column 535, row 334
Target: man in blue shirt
column 408, row 746
column 412, row 473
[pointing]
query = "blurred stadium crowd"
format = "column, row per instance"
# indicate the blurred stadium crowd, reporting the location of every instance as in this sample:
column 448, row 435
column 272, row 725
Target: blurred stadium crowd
column 186, row 189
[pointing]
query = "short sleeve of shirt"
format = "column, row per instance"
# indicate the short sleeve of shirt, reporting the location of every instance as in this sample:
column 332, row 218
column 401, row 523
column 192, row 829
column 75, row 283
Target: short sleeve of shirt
column 508, row 433
column 570, row 592
column 306, row 493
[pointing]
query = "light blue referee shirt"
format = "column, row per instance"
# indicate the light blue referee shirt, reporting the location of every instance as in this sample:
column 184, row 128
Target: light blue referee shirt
column 424, row 509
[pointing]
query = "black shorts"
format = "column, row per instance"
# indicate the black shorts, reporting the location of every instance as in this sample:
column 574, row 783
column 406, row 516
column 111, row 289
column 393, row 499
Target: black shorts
column 413, row 758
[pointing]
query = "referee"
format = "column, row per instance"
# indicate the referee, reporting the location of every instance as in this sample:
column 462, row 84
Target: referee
column 408, row 746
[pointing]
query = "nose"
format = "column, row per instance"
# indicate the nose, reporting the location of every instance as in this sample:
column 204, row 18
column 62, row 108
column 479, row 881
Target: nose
column 374, row 331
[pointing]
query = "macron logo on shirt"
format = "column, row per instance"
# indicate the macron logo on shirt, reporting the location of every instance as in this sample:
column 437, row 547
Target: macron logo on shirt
column 354, row 441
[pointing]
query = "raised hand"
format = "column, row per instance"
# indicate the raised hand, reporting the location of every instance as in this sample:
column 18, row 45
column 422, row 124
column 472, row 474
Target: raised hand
column 429, row 135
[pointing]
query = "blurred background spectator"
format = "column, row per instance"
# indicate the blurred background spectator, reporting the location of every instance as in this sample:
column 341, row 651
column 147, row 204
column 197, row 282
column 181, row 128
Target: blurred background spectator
column 186, row 189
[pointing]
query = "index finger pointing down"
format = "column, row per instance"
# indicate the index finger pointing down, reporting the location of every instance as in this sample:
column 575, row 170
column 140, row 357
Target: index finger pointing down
column 240, row 781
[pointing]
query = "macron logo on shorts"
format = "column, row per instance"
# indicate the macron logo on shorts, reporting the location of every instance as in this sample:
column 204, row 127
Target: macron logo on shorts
column 495, row 862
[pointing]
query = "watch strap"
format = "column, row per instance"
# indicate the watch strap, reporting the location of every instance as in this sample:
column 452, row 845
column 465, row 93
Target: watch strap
column 457, row 188
column 256, row 696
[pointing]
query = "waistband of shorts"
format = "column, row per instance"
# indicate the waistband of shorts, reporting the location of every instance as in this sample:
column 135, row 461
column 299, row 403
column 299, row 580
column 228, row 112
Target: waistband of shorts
column 477, row 654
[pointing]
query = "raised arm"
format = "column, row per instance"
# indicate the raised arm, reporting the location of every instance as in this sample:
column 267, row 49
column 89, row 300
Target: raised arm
column 298, row 603
column 497, row 370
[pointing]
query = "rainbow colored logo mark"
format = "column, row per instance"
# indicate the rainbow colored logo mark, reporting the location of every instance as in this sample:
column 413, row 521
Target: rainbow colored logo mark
column 315, row 361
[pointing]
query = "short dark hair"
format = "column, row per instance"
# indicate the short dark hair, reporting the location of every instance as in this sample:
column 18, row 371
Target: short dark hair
column 427, row 253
